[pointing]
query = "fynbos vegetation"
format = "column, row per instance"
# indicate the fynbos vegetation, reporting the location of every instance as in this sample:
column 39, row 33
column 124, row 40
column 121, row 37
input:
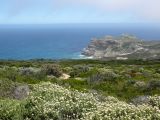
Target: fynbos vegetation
column 93, row 90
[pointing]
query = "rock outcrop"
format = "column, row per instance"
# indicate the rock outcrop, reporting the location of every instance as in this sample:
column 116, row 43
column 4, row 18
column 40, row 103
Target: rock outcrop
column 122, row 47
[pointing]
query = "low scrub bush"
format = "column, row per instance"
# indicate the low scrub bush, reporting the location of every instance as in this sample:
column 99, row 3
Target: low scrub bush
column 11, row 74
column 78, row 70
column 153, row 84
column 103, row 75
column 52, row 69
column 6, row 88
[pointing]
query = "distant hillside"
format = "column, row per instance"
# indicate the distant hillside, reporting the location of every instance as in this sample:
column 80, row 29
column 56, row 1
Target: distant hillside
column 122, row 47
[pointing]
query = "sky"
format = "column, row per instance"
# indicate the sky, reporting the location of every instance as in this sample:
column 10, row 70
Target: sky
column 79, row 11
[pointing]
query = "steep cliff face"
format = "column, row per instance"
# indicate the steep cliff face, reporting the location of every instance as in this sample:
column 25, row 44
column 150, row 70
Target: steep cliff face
column 122, row 47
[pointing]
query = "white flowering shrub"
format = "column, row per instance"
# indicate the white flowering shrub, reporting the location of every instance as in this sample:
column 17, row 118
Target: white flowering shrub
column 155, row 101
column 123, row 111
column 52, row 102
column 11, row 110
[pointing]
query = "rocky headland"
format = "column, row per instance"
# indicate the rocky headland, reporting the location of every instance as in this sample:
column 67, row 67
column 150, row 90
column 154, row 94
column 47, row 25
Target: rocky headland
column 122, row 47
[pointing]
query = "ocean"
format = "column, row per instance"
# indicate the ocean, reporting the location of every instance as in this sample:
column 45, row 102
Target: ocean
column 62, row 41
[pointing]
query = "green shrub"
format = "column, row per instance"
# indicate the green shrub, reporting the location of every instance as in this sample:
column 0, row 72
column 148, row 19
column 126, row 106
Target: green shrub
column 67, row 70
column 156, row 75
column 147, row 73
column 11, row 110
column 52, row 69
column 78, row 70
column 6, row 88
column 158, row 70
column 103, row 75
column 11, row 74
column 27, row 71
column 130, row 82
column 153, row 84
column 34, row 73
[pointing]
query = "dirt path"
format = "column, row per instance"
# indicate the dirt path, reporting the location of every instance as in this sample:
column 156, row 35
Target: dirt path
column 65, row 76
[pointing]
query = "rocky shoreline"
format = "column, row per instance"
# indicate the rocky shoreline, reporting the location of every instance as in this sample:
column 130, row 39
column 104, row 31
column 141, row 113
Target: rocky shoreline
column 122, row 47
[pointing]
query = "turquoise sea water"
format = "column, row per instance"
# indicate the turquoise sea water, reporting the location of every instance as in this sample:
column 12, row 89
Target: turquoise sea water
column 61, row 41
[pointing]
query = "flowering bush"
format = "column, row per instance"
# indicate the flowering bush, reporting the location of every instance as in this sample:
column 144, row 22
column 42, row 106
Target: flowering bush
column 52, row 102
column 155, row 101
column 11, row 110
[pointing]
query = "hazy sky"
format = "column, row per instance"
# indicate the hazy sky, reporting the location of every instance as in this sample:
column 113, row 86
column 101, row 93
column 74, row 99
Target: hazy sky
column 79, row 11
